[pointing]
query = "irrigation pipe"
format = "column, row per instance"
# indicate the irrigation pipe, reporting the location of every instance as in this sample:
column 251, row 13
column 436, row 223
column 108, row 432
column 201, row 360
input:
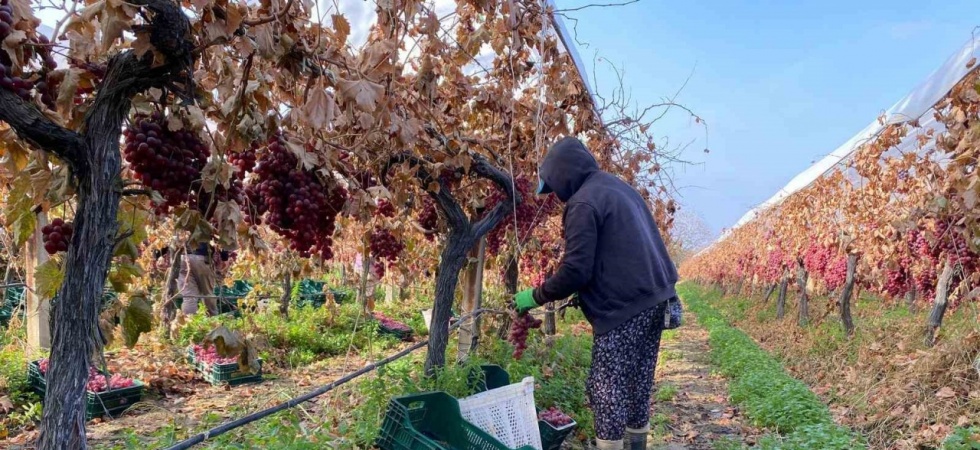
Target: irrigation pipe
column 226, row 427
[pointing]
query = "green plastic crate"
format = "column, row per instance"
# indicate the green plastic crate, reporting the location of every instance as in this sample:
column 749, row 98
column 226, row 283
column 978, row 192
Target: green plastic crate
column 97, row 404
column 551, row 438
column 230, row 374
column 432, row 421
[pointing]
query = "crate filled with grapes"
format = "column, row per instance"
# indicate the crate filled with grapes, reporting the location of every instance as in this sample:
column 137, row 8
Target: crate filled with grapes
column 105, row 395
column 554, row 426
column 389, row 326
column 217, row 369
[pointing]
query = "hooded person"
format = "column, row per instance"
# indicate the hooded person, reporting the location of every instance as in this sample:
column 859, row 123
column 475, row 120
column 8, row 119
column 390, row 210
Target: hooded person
column 617, row 263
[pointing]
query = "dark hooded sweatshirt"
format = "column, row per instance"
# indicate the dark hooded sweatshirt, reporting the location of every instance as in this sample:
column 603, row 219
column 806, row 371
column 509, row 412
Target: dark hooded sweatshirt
column 614, row 255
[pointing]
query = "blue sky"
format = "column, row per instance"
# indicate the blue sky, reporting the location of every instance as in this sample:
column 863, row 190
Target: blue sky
column 780, row 83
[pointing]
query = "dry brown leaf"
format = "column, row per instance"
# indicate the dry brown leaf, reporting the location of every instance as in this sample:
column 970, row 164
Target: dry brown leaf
column 363, row 93
column 946, row 392
column 341, row 28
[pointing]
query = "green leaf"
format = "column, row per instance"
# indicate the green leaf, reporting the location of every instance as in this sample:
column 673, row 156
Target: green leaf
column 24, row 227
column 48, row 278
column 136, row 319
column 122, row 274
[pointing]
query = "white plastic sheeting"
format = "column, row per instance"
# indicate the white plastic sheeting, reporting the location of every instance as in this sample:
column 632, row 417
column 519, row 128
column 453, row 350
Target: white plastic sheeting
column 916, row 105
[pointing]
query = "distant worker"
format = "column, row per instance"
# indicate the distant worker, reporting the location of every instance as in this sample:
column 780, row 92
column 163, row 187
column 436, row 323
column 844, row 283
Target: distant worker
column 197, row 280
column 616, row 260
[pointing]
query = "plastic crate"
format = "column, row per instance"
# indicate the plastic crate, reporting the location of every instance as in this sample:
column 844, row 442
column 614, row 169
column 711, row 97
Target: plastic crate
column 97, row 404
column 432, row 421
column 552, row 438
column 507, row 413
column 230, row 374
column 493, row 376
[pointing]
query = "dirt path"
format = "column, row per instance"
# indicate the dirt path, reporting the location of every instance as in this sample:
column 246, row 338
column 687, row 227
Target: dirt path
column 691, row 408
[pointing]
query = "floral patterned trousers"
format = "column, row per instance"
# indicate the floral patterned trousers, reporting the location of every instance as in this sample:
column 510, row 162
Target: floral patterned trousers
column 621, row 378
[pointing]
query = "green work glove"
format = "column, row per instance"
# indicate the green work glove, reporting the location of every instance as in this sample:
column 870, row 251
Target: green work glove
column 524, row 301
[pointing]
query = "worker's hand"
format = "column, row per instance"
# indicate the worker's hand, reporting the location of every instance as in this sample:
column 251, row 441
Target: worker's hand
column 524, row 301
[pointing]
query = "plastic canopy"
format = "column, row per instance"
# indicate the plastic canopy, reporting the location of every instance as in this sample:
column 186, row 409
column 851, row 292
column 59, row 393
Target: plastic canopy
column 918, row 104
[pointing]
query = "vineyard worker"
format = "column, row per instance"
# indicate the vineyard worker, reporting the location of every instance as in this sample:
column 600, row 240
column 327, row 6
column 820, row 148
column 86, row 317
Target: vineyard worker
column 196, row 281
column 617, row 262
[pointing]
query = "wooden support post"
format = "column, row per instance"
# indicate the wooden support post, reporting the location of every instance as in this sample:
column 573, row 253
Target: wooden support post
column 469, row 330
column 38, row 310
column 939, row 306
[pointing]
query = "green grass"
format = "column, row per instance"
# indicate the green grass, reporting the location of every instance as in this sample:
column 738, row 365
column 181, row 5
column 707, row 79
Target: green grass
column 666, row 392
column 963, row 439
column 758, row 383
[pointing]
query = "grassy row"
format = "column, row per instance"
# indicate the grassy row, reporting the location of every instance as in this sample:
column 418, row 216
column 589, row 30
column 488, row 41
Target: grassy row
column 770, row 397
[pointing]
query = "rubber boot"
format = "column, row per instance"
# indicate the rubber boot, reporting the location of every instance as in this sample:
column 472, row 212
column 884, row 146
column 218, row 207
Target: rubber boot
column 608, row 445
column 637, row 438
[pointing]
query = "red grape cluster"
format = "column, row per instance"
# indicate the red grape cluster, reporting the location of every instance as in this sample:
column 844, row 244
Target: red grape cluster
column 296, row 204
column 555, row 417
column 429, row 218
column 391, row 324
column 385, row 209
column 167, row 161
column 209, row 356
column 449, row 177
column 97, row 382
column 244, row 160
column 815, row 259
column 775, row 265
column 56, row 236
column 385, row 245
column 835, row 272
column 897, row 280
column 531, row 211
column 520, row 324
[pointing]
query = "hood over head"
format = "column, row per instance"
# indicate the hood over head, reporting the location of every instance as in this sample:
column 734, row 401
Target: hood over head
column 565, row 167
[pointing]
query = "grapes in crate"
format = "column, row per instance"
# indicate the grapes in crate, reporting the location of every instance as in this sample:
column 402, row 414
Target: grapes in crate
column 209, row 356
column 555, row 417
column 391, row 324
column 97, row 382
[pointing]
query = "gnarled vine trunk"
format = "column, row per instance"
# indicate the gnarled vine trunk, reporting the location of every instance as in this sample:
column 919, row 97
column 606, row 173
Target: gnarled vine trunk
column 781, row 299
column 772, row 288
column 910, row 298
column 802, row 276
column 463, row 235
column 845, row 295
column 939, row 306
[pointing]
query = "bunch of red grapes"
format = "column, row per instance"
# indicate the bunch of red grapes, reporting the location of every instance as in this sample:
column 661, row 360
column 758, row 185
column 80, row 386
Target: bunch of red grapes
column 897, row 281
column 295, row 203
column 520, row 324
column 775, row 265
column 56, row 236
column 531, row 211
column 835, row 272
column 97, row 382
column 428, row 218
column 555, row 417
column 391, row 324
column 815, row 259
column 385, row 209
column 39, row 47
column 209, row 356
column 385, row 245
column 244, row 160
column 166, row 161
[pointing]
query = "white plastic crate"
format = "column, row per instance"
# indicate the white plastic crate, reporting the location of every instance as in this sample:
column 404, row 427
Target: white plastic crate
column 506, row 413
